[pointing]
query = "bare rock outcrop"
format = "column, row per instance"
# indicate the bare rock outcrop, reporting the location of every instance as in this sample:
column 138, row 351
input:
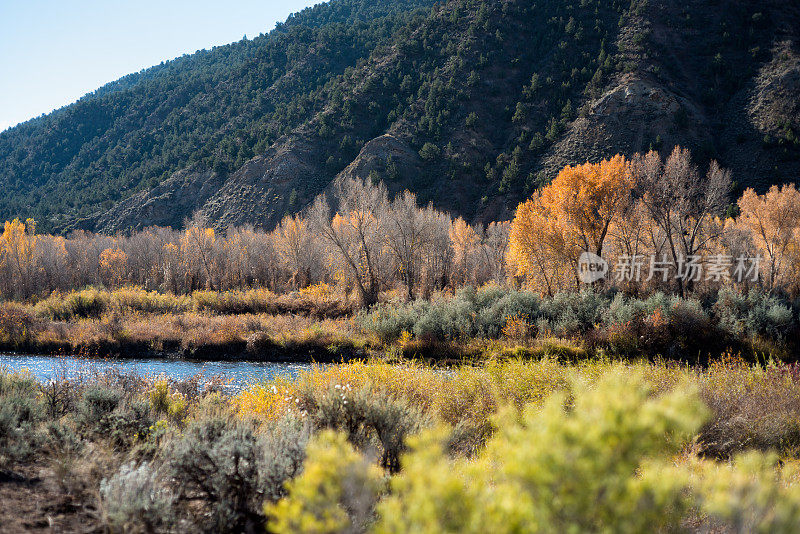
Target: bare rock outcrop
column 167, row 204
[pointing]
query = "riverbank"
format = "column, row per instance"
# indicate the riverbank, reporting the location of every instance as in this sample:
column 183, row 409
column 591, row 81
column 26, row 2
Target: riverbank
column 472, row 325
column 123, row 452
column 233, row 326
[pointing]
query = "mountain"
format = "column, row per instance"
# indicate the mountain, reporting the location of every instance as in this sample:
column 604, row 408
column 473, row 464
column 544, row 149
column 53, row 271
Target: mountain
column 470, row 103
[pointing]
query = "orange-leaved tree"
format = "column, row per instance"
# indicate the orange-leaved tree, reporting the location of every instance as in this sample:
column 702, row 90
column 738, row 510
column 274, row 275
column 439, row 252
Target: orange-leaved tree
column 570, row 216
column 113, row 266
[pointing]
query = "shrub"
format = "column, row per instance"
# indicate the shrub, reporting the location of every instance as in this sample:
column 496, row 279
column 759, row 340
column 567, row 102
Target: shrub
column 591, row 467
column 368, row 414
column 130, row 422
column 165, row 402
column 389, row 321
column 336, row 492
column 98, row 402
column 283, row 450
column 85, row 304
column 501, row 305
column 235, row 302
column 235, row 469
column 486, row 313
column 139, row 300
column 106, row 414
column 134, row 500
column 18, row 328
column 754, row 313
column 571, row 313
column 752, row 407
column 748, row 495
column 20, row 415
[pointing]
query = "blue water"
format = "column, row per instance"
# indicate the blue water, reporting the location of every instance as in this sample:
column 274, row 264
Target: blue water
column 235, row 375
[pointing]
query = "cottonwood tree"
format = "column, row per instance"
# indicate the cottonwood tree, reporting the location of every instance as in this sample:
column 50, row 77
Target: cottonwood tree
column 494, row 249
column 17, row 245
column 465, row 242
column 438, row 262
column 146, row 256
column 254, row 259
column 113, row 267
column 538, row 251
column 354, row 234
column 682, row 203
column 410, row 235
column 196, row 249
column 587, row 199
column 51, row 264
column 773, row 222
column 294, row 242
column 571, row 215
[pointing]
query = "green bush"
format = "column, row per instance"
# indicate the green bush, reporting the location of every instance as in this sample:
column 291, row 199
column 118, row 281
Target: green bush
column 98, row 402
column 588, row 464
column 336, row 492
column 468, row 314
column 86, row 304
column 20, row 415
column 754, row 313
column 234, row 302
column 369, row 418
column 139, row 300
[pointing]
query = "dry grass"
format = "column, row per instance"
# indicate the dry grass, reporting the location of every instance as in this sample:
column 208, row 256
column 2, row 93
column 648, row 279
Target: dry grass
column 752, row 407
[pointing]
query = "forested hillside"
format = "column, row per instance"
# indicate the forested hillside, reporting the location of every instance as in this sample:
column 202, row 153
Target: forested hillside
column 469, row 103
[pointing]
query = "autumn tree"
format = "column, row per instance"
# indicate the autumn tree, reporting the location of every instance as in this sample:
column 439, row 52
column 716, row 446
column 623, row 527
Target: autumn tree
column 571, row 215
column 197, row 247
column 409, row 235
column 52, row 269
column 682, row 203
column 773, row 222
column 354, row 234
column 587, row 199
column 437, row 264
column 294, row 242
column 17, row 246
column 494, row 249
column 113, row 266
column 466, row 242
column 537, row 249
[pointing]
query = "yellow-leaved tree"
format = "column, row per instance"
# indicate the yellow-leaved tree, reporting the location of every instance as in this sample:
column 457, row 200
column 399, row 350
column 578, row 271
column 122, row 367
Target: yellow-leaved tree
column 773, row 222
column 113, row 266
column 17, row 247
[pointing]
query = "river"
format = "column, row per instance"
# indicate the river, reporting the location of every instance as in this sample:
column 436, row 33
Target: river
column 236, row 375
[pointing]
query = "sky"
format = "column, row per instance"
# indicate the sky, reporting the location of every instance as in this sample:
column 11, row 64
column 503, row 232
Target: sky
column 52, row 52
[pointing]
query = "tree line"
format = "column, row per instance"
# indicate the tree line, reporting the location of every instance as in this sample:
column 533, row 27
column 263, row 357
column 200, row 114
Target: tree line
column 662, row 214
column 357, row 239
column 632, row 212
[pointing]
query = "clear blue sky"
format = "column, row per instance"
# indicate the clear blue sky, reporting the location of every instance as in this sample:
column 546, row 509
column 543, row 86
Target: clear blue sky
column 52, row 52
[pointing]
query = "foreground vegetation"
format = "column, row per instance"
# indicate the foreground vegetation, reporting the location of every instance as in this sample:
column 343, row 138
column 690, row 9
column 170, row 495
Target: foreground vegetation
column 407, row 448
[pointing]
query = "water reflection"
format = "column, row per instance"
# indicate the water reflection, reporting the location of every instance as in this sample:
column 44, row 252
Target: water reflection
column 236, row 375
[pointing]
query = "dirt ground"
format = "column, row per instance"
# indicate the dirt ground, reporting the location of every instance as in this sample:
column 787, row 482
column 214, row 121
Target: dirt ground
column 32, row 501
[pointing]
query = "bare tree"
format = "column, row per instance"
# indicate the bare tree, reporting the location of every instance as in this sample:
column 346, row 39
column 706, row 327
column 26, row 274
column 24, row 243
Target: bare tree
column 409, row 235
column 681, row 203
column 354, row 233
